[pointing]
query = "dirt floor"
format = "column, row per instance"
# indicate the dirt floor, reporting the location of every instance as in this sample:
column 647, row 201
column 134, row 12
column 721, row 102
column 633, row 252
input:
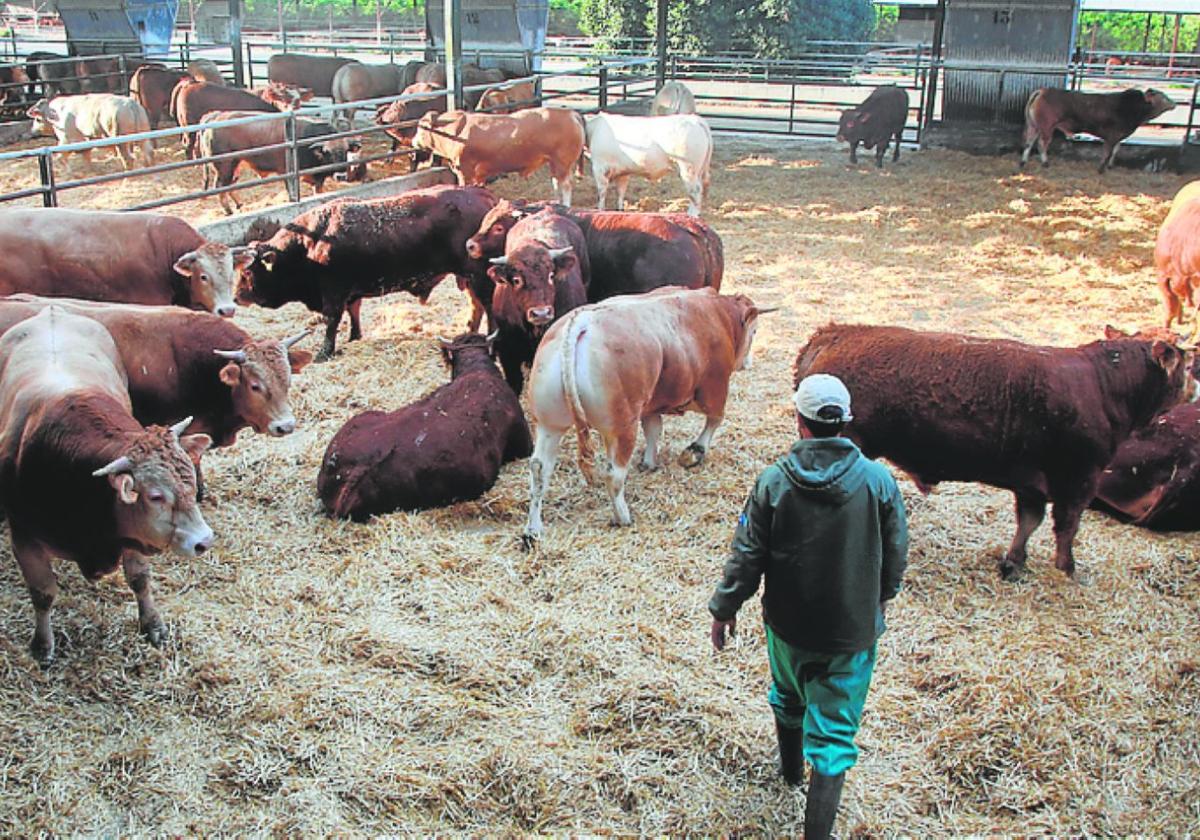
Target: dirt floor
column 420, row 673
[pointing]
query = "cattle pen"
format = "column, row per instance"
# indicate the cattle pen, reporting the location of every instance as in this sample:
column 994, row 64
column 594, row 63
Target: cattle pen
column 421, row 673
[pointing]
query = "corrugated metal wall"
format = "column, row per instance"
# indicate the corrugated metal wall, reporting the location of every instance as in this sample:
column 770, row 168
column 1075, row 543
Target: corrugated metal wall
column 990, row 37
column 498, row 25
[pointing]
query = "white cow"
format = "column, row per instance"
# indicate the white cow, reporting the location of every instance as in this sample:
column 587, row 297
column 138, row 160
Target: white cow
column 92, row 116
column 673, row 98
column 652, row 147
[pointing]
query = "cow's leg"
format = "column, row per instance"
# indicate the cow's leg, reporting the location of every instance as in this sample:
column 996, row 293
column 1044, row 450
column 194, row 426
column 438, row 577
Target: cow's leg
column 333, row 320
column 137, row 575
column 1172, row 306
column 880, row 151
column 652, row 428
column 693, row 184
column 1110, row 153
column 1031, row 509
column 853, row 151
column 1028, row 139
column 601, row 178
column 34, row 562
column 619, row 446
column 896, row 151
column 1069, row 505
column 622, row 187
column 562, row 188
column 541, row 466
column 1044, row 146
column 354, row 307
column 125, row 150
column 693, row 456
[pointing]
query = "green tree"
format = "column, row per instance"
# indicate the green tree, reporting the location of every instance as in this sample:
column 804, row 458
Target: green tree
column 616, row 22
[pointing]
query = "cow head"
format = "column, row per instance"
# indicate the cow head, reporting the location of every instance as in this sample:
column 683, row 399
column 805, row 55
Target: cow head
column 286, row 97
column 849, row 123
column 525, row 280
column 1162, row 334
column 44, row 116
column 746, row 315
column 212, row 272
column 1178, row 364
column 155, row 485
column 259, row 375
column 1159, row 103
column 467, row 352
column 489, row 240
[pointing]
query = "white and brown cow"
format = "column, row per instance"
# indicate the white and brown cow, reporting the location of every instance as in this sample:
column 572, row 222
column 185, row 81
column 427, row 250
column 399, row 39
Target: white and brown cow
column 632, row 359
column 94, row 116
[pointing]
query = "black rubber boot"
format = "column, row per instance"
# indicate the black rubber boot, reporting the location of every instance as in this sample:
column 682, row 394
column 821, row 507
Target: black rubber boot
column 824, row 793
column 791, row 757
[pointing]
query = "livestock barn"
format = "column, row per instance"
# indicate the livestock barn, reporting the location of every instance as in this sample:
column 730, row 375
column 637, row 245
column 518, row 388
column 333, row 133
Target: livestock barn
column 422, row 672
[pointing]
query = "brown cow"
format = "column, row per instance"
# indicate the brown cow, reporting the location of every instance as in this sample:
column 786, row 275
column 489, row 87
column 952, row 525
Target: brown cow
column 152, row 87
column 331, row 257
column 191, row 101
column 13, row 79
column 447, row 447
column 182, row 363
column 147, row 258
column 874, row 123
column 401, row 116
column 472, row 76
column 627, row 253
column 1177, row 258
column 1110, row 116
column 356, row 81
column 99, row 75
column 541, row 277
column 1040, row 421
column 507, row 99
column 69, row 446
column 634, row 358
column 315, row 72
column 310, row 151
column 479, row 147
column 205, row 70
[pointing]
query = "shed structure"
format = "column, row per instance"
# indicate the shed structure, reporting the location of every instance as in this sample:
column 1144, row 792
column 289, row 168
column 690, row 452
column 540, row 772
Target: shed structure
column 133, row 27
column 510, row 34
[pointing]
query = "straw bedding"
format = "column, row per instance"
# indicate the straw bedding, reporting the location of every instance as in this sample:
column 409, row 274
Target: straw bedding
column 420, row 672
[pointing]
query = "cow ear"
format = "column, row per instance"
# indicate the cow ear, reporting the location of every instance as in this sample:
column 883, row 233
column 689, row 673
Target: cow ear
column 1111, row 333
column 268, row 260
column 231, row 374
column 497, row 275
column 564, row 262
column 195, row 445
column 1166, row 356
column 243, row 257
column 298, row 359
column 122, row 482
column 863, row 117
column 185, row 264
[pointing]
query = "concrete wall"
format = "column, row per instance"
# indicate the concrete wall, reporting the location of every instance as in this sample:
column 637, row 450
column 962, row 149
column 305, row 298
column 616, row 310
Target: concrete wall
column 261, row 224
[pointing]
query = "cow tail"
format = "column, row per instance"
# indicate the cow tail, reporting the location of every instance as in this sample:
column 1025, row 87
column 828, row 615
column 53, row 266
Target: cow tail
column 583, row 150
column 571, row 336
column 706, row 172
column 1031, row 131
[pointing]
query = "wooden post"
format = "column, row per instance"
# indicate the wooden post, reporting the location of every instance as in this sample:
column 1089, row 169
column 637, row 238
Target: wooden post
column 935, row 57
column 1174, row 45
column 660, row 40
column 452, row 39
column 235, row 42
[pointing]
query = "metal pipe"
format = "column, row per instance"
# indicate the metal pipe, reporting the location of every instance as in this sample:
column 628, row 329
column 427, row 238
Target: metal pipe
column 452, row 41
column 235, row 41
column 292, row 157
column 660, row 40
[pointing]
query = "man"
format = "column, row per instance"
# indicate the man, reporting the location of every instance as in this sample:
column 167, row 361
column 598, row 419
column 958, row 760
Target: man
column 826, row 527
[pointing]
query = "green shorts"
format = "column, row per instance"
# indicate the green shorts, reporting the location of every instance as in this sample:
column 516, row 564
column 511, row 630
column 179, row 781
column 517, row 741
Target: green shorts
column 823, row 694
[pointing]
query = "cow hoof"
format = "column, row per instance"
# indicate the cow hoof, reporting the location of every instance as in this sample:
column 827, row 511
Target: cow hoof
column 322, row 357
column 42, row 652
column 529, row 541
column 691, row 457
column 617, row 523
column 156, row 633
column 642, row 466
column 1010, row 570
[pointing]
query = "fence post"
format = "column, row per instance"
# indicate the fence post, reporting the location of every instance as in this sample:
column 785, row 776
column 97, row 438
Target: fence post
column 124, row 77
column 12, row 37
column 293, row 159
column 1187, row 132
column 792, row 108
column 391, row 46
column 46, row 171
column 185, row 54
column 603, row 96
column 249, row 64
column 999, row 98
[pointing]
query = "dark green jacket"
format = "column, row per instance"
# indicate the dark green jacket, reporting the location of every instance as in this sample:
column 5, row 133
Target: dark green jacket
column 826, row 526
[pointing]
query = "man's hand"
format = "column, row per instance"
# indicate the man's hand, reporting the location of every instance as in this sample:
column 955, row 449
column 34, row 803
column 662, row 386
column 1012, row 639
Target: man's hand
column 718, row 632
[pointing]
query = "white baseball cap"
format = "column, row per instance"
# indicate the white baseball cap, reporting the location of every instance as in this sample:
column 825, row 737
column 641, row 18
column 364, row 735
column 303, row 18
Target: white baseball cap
column 820, row 390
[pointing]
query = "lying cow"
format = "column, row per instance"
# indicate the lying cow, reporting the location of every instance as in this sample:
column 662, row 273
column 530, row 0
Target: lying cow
column 673, row 98
column 401, row 116
column 94, row 116
column 874, row 123
column 311, row 151
column 69, row 444
column 541, row 277
column 1042, row 422
column 447, row 447
column 1177, row 258
column 479, row 147
column 152, row 88
column 118, row 257
column 182, row 363
column 508, row 99
column 1110, row 116
column 634, row 358
column 331, row 257
column 191, row 101
column 356, row 81
column 622, row 146
column 627, row 253
column 315, row 72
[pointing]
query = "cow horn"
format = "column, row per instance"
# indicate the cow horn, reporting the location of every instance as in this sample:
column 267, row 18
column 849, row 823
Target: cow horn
column 499, row 260
column 492, row 337
column 445, row 342
column 122, row 464
column 555, row 253
column 179, row 427
column 767, row 309
column 238, row 356
column 300, row 336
